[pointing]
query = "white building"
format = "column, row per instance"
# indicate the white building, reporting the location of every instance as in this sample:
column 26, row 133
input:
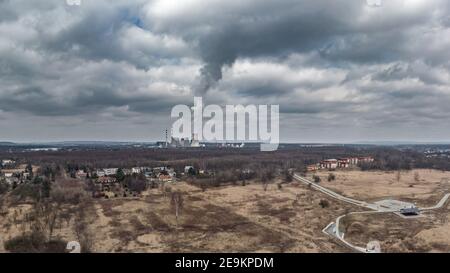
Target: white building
column 110, row 171
column 6, row 162
column 329, row 164
column 100, row 173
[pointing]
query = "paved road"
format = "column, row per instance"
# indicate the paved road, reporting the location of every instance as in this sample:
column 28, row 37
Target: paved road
column 374, row 207
column 438, row 205
column 341, row 197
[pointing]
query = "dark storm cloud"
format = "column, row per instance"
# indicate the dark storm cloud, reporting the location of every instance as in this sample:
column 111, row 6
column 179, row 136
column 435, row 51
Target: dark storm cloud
column 338, row 30
column 322, row 61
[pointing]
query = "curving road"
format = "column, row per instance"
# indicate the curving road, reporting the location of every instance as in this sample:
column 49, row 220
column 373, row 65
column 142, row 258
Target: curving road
column 333, row 228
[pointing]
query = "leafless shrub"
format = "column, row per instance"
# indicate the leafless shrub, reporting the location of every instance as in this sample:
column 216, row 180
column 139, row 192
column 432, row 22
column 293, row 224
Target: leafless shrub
column 416, row 176
column 398, row 176
column 82, row 231
column 324, row 203
column 177, row 203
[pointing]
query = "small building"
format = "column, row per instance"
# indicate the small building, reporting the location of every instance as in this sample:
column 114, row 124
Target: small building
column 100, row 173
column 81, row 174
column 106, row 180
column 136, row 170
column 344, row 163
column 11, row 180
column 410, row 211
column 110, row 171
column 329, row 164
column 366, row 159
column 127, row 171
column 312, row 168
column 353, row 161
column 7, row 162
column 164, row 177
column 26, row 175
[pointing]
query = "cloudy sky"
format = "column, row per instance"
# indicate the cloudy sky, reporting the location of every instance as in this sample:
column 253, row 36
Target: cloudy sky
column 341, row 70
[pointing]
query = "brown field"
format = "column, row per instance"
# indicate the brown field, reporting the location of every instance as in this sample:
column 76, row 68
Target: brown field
column 376, row 185
column 225, row 219
column 428, row 233
column 248, row 219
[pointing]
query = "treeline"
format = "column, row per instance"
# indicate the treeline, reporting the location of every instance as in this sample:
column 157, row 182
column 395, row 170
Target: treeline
column 210, row 158
column 391, row 159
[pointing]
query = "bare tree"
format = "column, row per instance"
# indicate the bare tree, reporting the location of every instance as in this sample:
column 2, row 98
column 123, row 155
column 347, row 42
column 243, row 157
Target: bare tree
column 265, row 184
column 2, row 207
column 416, row 177
column 398, row 176
column 84, row 235
column 45, row 217
column 177, row 203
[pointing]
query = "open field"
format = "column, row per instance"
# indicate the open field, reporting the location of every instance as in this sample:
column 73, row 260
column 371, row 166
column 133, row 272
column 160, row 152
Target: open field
column 237, row 218
column 225, row 219
column 430, row 186
column 428, row 233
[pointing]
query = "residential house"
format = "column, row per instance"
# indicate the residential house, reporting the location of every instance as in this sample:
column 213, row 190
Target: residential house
column 12, row 180
column 7, row 162
column 110, row 171
column 344, row 163
column 137, row 170
column 80, row 174
column 100, row 173
column 353, row 161
column 106, row 180
column 366, row 159
column 329, row 164
column 312, row 168
column 162, row 177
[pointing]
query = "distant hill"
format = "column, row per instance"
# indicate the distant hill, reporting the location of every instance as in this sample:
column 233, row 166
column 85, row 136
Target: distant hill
column 5, row 143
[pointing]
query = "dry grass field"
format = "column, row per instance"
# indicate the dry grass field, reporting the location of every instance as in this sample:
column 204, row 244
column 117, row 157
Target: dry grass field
column 424, row 187
column 238, row 218
column 428, row 233
column 225, row 219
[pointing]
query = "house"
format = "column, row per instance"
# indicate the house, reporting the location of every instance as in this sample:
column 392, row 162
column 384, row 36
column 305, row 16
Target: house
column 312, row 168
column 353, row 161
column 100, row 173
column 329, row 164
column 106, row 180
column 12, row 172
column 80, row 174
column 127, row 171
column 12, row 180
column 110, row 171
column 344, row 163
column 136, row 170
column 162, row 177
column 366, row 159
column 26, row 175
column 6, row 162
